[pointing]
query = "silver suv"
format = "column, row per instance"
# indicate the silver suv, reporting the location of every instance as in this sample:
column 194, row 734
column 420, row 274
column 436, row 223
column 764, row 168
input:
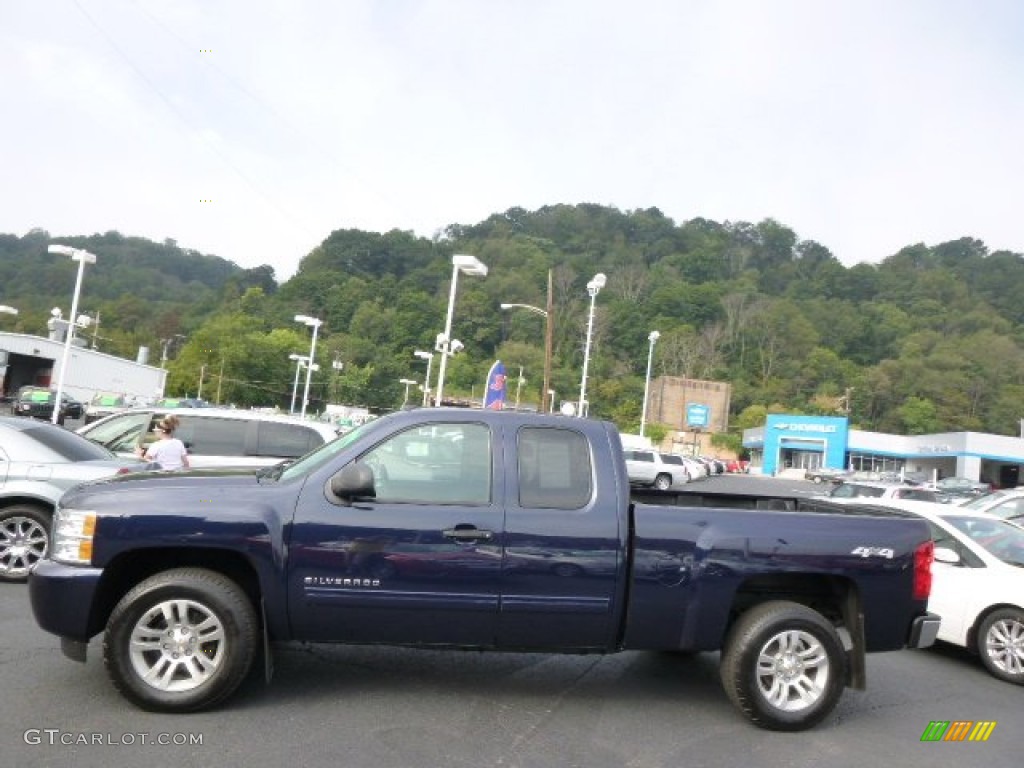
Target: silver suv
column 662, row 470
column 215, row 437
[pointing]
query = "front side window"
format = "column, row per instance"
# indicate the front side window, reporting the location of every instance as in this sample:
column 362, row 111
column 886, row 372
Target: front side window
column 436, row 464
column 555, row 469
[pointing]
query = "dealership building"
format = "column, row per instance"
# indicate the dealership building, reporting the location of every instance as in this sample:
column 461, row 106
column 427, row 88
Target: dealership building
column 798, row 443
column 34, row 360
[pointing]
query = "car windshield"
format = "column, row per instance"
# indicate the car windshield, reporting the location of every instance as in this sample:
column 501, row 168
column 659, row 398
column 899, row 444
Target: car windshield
column 68, row 445
column 986, row 500
column 320, row 456
column 999, row 538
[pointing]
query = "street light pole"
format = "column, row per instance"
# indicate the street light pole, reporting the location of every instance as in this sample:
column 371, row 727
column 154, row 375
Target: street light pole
column 593, row 288
column 653, row 337
column 315, row 324
column 548, row 315
column 408, row 383
column 470, row 265
column 299, row 359
column 82, row 257
column 429, row 357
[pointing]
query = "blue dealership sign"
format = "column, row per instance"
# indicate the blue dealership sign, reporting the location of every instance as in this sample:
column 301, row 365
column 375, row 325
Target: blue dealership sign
column 698, row 415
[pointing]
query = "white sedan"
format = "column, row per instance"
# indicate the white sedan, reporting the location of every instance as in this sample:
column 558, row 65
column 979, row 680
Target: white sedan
column 977, row 583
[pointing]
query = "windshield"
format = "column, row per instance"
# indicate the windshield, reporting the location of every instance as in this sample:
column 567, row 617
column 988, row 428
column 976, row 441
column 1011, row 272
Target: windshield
column 321, row 455
column 999, row 538
column 983, row 502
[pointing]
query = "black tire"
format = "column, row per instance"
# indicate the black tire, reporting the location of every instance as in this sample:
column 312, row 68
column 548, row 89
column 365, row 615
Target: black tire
column 765, row 662
column 818, row 479
column 194, row 629
column 24, row 540
column 663, row 482
column 1001, row 644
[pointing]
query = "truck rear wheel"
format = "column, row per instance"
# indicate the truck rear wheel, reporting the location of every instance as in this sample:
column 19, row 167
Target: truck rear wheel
column 181, row 640
column 783, row 666
column 663, row 482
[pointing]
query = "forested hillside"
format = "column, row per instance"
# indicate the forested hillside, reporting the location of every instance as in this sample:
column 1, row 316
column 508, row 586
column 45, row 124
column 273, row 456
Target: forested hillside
column 926, row 340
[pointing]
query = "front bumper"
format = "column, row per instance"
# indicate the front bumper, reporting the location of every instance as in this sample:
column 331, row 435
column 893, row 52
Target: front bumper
column 924, row 630
column 62, row 599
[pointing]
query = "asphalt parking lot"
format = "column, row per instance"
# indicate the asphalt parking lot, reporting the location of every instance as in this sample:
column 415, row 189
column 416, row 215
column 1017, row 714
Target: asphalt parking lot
column 395, row 707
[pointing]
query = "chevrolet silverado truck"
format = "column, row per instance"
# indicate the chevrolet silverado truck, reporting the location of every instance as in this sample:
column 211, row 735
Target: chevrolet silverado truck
column 455, row 528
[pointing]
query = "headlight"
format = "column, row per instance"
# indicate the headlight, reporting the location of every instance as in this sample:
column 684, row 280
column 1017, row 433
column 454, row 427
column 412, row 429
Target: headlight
column 73, row 530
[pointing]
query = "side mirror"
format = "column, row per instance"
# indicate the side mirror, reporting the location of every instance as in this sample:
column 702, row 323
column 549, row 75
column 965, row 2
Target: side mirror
column 354, row 480
column 946, row 555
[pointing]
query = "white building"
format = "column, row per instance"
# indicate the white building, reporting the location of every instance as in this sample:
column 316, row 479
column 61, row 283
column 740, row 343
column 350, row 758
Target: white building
column 35, row 360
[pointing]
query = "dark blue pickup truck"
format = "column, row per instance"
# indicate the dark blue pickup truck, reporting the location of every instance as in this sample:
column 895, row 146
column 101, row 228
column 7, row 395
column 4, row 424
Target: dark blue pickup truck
column 475, row 529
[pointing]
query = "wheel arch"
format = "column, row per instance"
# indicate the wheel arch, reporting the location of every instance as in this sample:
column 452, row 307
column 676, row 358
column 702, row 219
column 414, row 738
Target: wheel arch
column 131, row 568
column 837, row 598
column 972, row 633
column 48, row 505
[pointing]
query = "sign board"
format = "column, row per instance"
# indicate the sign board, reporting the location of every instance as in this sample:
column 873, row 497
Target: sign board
column 698, row 415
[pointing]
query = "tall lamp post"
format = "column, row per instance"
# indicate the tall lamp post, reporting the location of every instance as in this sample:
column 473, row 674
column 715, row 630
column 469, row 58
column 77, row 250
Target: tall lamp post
column 429, row 357
column 408, row 383
column 594, row 287
column 315, row 324
column 469, row 265
column 299, row 361
column 653, row 337
column 83, row 258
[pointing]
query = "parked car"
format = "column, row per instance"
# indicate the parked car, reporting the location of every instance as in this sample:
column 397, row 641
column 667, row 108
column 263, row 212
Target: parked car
column 104, row 404
column 1007, row 504
column 959, row 487
column 38, row 402
column 181, row 402
column 661, row 470
column 215, row 437
column 865, row 490
column 977, row 584
column 821, row 475
column 38, row 463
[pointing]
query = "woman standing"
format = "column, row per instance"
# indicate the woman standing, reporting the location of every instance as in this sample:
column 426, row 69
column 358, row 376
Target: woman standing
column 168, row 452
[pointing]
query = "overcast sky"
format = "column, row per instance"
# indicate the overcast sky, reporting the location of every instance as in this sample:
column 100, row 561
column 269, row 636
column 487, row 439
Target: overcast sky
column 251, row 129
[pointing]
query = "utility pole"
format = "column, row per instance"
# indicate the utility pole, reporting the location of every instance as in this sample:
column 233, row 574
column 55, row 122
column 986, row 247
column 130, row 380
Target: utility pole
column 202, row 373
column 220, row 378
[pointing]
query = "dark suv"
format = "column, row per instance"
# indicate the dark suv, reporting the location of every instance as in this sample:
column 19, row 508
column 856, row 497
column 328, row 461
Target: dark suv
column 37, row 402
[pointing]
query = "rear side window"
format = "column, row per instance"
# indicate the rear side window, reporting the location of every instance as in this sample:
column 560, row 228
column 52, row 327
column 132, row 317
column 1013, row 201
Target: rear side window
column 668, row 458
column 288, row 441
column 68, row 445
column 555, row 469
column 212, row 437
column 643, row 456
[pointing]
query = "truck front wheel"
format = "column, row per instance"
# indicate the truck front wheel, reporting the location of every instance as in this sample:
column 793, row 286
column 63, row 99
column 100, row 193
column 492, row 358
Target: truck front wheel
column 181, row 640
column 663, row 482
column 783, row 666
